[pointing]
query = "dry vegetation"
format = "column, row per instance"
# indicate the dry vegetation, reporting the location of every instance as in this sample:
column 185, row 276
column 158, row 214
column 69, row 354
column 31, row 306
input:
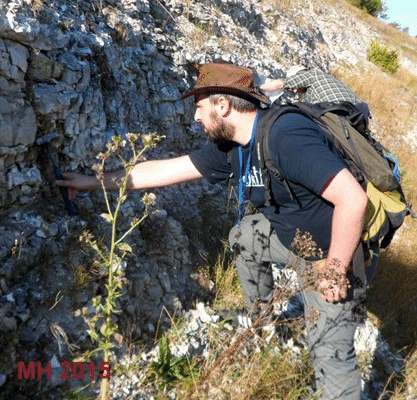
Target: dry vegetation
column 242, row 364
column 408, row 387
column 228, row 294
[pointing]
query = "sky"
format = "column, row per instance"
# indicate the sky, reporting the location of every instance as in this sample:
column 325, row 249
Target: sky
column 404, row 12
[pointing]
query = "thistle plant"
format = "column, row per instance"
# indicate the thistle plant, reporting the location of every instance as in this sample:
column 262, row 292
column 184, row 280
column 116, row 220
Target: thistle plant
column 170, row 368
column 102, row 326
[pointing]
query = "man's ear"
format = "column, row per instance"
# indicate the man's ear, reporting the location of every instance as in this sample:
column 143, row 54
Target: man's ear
column 223, row 107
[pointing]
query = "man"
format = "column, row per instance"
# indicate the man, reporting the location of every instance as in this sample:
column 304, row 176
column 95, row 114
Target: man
column 315, row 86
column 331, row 209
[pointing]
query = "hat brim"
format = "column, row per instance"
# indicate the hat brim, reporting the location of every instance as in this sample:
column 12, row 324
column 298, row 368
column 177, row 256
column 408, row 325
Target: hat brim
column 253, row 97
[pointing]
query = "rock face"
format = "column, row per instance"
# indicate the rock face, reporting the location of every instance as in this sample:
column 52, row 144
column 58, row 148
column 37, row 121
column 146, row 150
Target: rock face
column 86, row 71
column 17, row 117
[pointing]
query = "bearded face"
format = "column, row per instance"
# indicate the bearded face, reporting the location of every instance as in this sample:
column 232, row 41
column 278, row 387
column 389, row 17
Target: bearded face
column 217, row 129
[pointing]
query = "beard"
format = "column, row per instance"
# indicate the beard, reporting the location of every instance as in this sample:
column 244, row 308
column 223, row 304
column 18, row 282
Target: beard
column 219, row 131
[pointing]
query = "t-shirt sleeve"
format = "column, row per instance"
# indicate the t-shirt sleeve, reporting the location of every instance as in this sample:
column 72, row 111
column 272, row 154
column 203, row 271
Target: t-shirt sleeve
column 212, row 162
column 302, row 152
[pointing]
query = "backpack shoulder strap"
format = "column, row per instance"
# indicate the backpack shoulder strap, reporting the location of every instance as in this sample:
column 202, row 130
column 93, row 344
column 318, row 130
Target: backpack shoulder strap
column 266, row 162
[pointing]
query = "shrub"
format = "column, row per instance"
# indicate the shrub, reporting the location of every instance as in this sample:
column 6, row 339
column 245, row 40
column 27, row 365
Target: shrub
column 373, row 7
column 383, row 57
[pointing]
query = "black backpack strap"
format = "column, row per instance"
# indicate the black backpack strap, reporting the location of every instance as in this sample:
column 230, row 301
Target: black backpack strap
column 266, row 162
column 316, row 110
column 313, row 111
column 352, row 113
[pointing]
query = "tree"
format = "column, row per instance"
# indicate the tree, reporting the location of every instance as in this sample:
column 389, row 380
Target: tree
column 374, row 7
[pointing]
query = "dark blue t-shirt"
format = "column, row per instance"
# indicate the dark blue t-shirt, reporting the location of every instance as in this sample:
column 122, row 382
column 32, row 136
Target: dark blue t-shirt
column 304, row 156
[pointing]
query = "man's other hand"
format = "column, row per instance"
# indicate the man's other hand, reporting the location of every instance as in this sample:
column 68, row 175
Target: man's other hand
column 332, row 282
column 77, row 182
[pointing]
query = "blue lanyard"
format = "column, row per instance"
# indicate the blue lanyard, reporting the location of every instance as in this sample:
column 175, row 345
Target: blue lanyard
column 243, row 178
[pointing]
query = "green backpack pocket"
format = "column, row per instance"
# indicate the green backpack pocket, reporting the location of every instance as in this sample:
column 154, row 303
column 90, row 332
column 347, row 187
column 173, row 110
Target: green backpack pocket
column 385, row 213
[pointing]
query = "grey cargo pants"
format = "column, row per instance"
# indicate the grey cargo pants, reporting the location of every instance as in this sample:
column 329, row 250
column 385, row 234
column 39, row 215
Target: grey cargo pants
column 330, row 336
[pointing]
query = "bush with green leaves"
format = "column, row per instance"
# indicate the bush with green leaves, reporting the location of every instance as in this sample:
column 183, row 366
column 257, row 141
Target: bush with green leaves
column 383, row 57
column 373, row 7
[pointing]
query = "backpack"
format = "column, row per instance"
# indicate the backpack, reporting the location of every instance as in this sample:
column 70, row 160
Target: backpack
column 375, row 169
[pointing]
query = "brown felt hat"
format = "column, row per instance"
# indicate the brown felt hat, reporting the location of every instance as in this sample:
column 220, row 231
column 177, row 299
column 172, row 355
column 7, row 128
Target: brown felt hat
column 230, row 79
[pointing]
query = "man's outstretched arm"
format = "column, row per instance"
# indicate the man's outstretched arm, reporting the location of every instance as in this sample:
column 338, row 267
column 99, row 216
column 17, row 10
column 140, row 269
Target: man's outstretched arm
column 147, row 174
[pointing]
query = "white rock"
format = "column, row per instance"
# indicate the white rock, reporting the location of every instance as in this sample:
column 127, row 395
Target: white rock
column 180, row 350
column 244, row 321
column 366, row 338
column 194, row 343
column 202, row 313
column 192, row 326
